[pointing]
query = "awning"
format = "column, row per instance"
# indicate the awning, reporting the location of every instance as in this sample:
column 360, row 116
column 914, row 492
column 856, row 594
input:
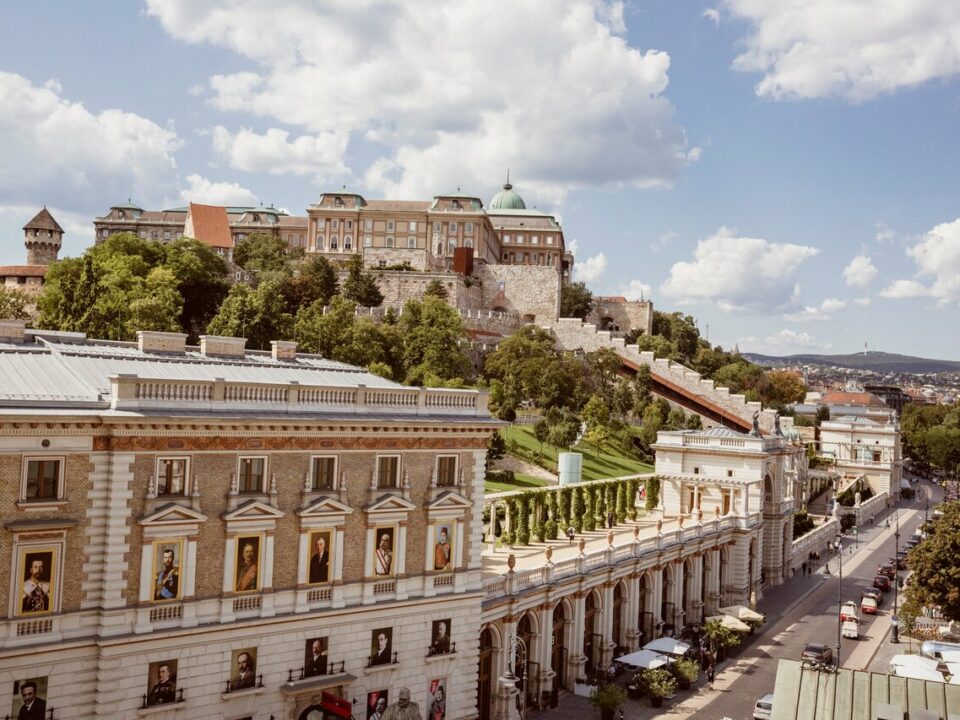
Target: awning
column 667, row 646
column 741, row 612
column 645, row 659
column 730, row 622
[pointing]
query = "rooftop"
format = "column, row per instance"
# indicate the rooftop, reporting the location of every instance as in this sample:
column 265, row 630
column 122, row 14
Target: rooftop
column 23, row 270
column 210, row 225
column 852, row 398
column 43, row 220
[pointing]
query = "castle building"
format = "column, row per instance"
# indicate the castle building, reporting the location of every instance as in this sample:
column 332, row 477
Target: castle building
column 212, row 532
column 42, row 237
column 864, row 447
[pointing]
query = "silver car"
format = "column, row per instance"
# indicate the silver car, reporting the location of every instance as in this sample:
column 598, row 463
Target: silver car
column 764, row 708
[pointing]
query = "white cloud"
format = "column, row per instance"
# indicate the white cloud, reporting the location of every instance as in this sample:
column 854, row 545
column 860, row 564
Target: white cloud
column 791, row 339
column 739, row 274
column 591, row 269
column 506, row 94
column 77, row 229
column 823, row 312
column 860, row 272
column 58, row 152
column 937, row 255
column 661, row 242
column 712, row 14
column 862, row 302
column 847, row 48
column 320, row 155
column 208, row 192
column 635, row 290
column 884, row 233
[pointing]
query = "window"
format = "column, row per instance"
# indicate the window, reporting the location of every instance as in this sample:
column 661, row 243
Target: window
column 452, row 244
column 453, row 227
column 381, row 263
column 368, row 224
column 696, row 471
column 390, row 225
column 389, row 241
column 43, row 479
column 171, row 476
column 368, row 241
column 437, row 228
column 534, row 239
column 412, row 226
column 338, row 201
column 325, row 473
column 468, row 242
column 388, row 471
column 729, row 473
column 446, row 471
column 520, row 257
column 519, row 239
column 252, row 472
column 347, row 242
column 468, row 228
column 143, row 234
column 334, row 242
column 506, row 256
column 349, row 224
column 549, row 239
column 335, row 224
column 506, row 239
column 300, row 239
column 320, row 223
column 456, row 205
column 411, row 242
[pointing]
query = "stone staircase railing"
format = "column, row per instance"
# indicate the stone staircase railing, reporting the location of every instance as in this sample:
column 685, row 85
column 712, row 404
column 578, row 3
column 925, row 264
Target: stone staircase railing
column 573, row 334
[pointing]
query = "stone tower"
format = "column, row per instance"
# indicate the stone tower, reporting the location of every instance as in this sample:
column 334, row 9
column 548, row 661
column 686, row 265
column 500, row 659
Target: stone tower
column 42, row 237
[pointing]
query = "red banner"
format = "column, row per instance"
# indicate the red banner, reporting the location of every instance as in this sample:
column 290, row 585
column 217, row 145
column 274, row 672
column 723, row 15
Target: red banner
column 335, row 704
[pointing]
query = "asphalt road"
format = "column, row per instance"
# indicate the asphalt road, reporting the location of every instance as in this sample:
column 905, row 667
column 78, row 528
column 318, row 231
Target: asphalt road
column 815, row 618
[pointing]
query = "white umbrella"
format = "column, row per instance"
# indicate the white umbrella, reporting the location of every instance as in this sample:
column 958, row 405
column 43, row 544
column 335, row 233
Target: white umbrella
column 730, row 622
column 741, row 612
column 645, row 659
column 667, row 646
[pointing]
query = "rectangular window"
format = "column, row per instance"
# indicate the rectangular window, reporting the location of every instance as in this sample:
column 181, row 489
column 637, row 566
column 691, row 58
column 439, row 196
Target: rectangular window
column 729, row 473
column 549, row 239
column 335, row 224
column 506, row 238
column 412, row 226
column 368, row 241
column 166, row 235
column 143, row 234
column 334, row 242
column 300, row 239
column 468, row 228
column 171, row 476
column 411, row 242
column 390, row 225
column 389, row 241
column 388, row 471
column 696, row 471
column 349, row 224
column 320, row 223
column 519, row 257
column 446, row 470
column 534, row 239
column 43, row 479
column 324, row 473
column 519, row 239
column 453, row 227
column 252, row 472
column 368, row 224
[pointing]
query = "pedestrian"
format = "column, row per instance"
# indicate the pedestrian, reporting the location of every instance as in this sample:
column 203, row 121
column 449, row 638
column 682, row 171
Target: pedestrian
column 711, row 674
column 804, row 567
column 610, row 519
column 572, row 534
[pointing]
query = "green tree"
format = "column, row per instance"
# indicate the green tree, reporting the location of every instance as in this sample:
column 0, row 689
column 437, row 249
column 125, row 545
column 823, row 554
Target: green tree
column 496, row 448
column 936, row 574
column 575, row 301
column 433, row 341
column 435, row 288
column 13, row 305
column 158, row 307
column 262, row 252
column 360, row 285
column 541, row 431
column 314, row 279
column 596, row 412
column 259, row 315
column 201, row 276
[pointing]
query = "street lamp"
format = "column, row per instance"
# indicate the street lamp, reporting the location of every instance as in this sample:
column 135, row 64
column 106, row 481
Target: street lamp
column 518, row 649
column 838, row 546
column 895, row 621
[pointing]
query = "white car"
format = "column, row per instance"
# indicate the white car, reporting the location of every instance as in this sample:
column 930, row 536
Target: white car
column 763, row 710
column 848, row 611
column 851, row 629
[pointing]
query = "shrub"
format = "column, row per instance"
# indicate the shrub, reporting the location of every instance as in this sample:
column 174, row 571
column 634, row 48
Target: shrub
column 607, row 697
column 659, row 682
column 687, row 669
column 551, row 529
column 653, row 492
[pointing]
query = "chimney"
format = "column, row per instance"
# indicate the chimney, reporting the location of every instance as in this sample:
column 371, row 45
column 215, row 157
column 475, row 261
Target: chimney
column 11, row 330
column 215, row 345
column 283, row 350
column 164, row 342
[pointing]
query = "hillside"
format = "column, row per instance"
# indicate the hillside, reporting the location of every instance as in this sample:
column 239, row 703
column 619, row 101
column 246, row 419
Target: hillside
column 873, row 360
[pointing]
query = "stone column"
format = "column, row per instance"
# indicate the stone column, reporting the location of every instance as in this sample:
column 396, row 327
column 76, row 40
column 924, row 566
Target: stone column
column 506, row 703
column 631, row 627
column 675, row 596
column 695, row 590
column 544, row 654
column 575, row 657
column 712, row 589
column 606, row 626
column 656, row 600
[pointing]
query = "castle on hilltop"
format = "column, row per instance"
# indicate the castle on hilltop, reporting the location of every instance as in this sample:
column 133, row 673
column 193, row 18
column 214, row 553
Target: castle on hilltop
column 42, row 237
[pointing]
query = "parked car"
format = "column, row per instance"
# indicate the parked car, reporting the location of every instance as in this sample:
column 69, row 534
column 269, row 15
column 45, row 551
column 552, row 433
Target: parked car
column 882, row 582
column 816, row 653
column 887, row 569
column 763, row 710
column 848, row 611
column 874, row 593
column 868, row 605
column 851, row 629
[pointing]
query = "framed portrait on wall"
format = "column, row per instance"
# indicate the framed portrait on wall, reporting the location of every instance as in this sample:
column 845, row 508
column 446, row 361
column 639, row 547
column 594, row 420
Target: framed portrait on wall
column 384, row 550
column 315, row 657
column 36, row 585
column 376, row 704
column 437, row 699
column 381, row 646
column 162, row 682
column 440, row 637
column 243, row 669
column 29, row 699
column 443, row 546
column 247, row 578
column 321, row 549
column 167, row 558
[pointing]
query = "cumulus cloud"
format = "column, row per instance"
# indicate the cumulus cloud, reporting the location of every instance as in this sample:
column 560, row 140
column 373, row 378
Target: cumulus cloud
column 369, row 72
column 884, row 233
column 712, row 14
column 635, row 290
column 862, row 302
column 273, row 152
column 822, row 312
column 860, row 272
column 591, row 269
column 58, row 152
column 739, row 274
column 792, row 339
column 847, row 48
column 937, row 256
column 207, row 192
column 77, row 229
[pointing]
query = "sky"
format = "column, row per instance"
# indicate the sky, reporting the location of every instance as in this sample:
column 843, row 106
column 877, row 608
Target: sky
column 786, row 172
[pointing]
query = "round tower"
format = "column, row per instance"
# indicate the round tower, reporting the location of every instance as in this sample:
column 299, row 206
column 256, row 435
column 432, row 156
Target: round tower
column 42, row 237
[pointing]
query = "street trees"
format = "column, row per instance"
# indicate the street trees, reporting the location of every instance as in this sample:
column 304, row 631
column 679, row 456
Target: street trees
column 935, row 581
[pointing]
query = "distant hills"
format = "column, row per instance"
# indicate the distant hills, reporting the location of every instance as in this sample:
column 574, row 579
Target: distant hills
column 876, row 361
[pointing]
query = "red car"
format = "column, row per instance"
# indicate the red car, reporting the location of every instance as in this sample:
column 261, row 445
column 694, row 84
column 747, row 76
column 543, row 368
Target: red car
column 888, row 570
column 882, row 582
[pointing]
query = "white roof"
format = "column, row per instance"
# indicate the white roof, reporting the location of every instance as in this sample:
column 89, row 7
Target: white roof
column 646, row 659
column 667, row 646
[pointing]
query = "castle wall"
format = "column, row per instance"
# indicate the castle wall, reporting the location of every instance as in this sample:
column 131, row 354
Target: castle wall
column 530, row 291
column 622, row 316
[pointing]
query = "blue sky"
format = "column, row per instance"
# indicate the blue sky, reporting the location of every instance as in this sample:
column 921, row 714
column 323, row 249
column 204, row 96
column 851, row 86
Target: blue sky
column 785, row 172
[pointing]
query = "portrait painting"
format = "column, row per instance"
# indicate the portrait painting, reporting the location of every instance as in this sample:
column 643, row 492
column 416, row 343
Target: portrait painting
column 30, row 699
column 437, row 699
column 321, row 547
column 315, row 657
column 247, row 578
column 376, row 704
column 443, row 546
column 37, row 580
column 162, row 682
column 243, row 669
column 384, row 550
column 381, row 646
column 440, row 637
column 167, row 557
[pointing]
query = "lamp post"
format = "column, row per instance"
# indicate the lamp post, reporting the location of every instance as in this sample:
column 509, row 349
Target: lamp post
column 838, row 545
column 518, row 650
column 895, row 620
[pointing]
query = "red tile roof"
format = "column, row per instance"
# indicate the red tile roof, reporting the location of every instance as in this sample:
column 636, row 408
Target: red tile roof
column 210, row 225
column 23, row 270
column 852, row 398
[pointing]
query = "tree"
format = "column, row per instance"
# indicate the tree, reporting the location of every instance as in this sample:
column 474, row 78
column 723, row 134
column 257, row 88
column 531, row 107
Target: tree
column 158, row 307
column 936, row 575
column 261, row 252
column 13, row 305
column 496, row 448
column 564, row 433
column 541, row 431
column 575, row 301
column 360, row 286
column 435, row 288
column 785, row 387
column 259, row 315
column 314, row 279
column 433, row 341
column 201, row 276
column 596, row 412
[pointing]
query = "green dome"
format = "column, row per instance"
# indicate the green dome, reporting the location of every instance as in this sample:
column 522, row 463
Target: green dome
column 507, row 199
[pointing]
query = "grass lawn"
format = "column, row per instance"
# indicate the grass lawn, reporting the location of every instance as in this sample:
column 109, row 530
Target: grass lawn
column 608, row 462
column 522, row 482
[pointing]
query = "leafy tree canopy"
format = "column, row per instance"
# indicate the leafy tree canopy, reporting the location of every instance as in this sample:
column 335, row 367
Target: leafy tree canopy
column 13, row 305
column 360, row 285
column 575, row 300
column 257, row 314
column 261, row 252
column 936, row 573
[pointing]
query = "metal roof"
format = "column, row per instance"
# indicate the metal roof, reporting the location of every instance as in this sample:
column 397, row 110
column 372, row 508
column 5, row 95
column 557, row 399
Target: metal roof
column 802, row 693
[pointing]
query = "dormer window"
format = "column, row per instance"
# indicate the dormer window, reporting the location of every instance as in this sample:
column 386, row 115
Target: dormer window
column 338, row 202
column 456, row 205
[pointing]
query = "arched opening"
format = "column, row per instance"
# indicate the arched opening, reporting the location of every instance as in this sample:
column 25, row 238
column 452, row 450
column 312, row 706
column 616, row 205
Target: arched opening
column 529, row 670
column 752, row 570
column 499, row 308
column 558, row 657
column 645, row 617
column 767, row 488
column 486, row 674
column 667, row 607
column 592, row 641
column 724, row 573
column 618, row 596
column 606, row 323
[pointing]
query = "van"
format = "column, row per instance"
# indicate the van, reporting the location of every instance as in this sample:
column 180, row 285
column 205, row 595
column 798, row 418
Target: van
column 934, row 649
column 764, row 708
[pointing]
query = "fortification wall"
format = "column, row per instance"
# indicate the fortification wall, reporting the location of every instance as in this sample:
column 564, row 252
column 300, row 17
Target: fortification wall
column 530, row 291
column 622, row 316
